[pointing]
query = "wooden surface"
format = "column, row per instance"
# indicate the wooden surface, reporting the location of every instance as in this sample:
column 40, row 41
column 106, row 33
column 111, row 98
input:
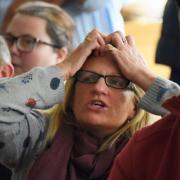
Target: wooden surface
column 146, row 36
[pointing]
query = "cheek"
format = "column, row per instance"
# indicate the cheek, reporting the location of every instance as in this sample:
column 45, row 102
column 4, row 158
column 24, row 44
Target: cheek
column 124, row 103
column 36, row 58
column 29, row 61
column 46, row 57
column 81, row 92
column 29, row 58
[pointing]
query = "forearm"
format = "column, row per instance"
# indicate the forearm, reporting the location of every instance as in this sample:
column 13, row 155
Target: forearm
column 20, row 124
column 157, row 93
column 39, row 88
column 22, row 139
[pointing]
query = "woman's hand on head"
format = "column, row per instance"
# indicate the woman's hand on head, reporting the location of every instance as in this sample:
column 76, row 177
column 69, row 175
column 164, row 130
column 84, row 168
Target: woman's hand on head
column 93, row 41
column 131, row 64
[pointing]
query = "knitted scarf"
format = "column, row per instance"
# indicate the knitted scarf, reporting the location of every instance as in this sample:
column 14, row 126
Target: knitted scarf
column 72, row 156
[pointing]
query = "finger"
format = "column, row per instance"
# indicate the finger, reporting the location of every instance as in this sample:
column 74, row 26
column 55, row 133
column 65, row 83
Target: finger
column 130, row 41
column 101, row 38
column 103, row 35
column 97, row 52
column 88, row 39
column 100, row 51
column 125, row 40
column 96, row 38
column 123, row 37
column 114, row 39
column 101, row 41
column 117, row 39
column 110, row 49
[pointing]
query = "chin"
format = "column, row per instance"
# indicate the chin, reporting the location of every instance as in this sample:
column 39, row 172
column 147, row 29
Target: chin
column 92, row 121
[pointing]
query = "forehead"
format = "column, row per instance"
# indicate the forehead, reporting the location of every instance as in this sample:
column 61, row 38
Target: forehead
column 21, row 23
column 92, row 59
column 102, row 64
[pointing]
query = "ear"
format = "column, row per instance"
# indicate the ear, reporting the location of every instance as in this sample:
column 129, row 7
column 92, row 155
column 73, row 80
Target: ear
column 61, row 54
column 6, row 70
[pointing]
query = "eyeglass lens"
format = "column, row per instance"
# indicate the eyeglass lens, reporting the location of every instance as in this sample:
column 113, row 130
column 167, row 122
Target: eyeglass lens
column 26, row 43
column 110, row 80
column 23, row 43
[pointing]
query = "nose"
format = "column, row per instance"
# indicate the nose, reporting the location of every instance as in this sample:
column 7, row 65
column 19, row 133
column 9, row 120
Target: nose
column 13, row 49
column 100, row 86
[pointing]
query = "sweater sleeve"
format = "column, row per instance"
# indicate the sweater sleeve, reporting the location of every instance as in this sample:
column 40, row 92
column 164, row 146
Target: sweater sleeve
column 22, row 127
column 157, row 94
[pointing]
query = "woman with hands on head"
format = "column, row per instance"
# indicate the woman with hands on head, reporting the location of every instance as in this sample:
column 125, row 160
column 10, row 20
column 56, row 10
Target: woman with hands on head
column 94, row 118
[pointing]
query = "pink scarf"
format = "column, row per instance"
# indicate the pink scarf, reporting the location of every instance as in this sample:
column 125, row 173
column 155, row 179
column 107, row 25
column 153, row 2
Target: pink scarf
column 72, row 156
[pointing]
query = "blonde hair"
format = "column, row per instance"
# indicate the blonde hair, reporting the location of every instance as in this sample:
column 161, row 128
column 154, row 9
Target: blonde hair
column 60, row 26
column 5, row 57
column 64, row 112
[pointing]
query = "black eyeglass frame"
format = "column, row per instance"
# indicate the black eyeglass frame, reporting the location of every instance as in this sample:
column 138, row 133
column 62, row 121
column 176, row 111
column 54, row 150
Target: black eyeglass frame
column 129, row 84
column 36, row 41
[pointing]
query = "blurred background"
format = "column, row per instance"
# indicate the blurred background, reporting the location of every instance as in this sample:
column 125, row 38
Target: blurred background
column 143, row 20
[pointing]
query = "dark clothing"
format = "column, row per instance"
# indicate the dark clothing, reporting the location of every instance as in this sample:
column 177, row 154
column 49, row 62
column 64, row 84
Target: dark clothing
column 168, row 47
column 153, row 152
column 73, row 155
column 5, row 173
column 175, row 75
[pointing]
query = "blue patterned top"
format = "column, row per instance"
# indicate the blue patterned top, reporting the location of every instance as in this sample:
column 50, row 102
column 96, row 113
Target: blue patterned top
column 22, row 128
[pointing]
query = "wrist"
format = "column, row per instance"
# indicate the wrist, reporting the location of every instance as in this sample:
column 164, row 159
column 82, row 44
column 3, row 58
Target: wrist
column 145, row 80
column 65, row 69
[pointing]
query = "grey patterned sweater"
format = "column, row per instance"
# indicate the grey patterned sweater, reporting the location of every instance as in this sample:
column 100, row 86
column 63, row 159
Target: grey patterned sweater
column 23, row 128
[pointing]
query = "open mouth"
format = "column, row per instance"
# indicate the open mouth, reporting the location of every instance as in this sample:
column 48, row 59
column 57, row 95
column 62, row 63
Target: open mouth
column 98, row 104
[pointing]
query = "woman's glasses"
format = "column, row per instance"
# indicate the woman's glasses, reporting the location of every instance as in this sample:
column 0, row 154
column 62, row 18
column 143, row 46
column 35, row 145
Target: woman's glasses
column 25, row 43
column 113, row 81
